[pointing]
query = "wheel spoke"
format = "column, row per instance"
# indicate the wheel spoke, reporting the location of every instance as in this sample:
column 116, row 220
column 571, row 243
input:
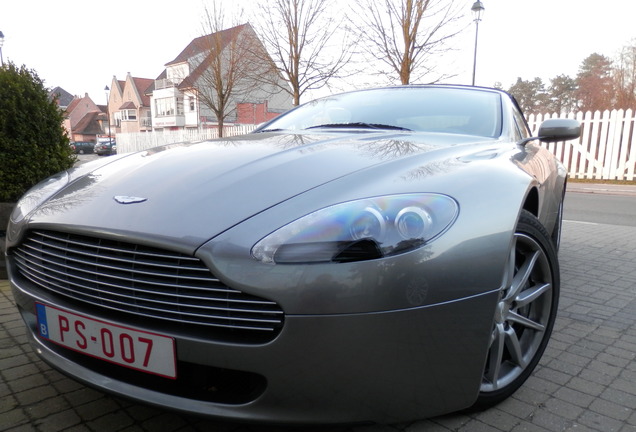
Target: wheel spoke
column 531, row 294
column 514, row 347
column 524, row 321
column 496, row 354
column 522, row 276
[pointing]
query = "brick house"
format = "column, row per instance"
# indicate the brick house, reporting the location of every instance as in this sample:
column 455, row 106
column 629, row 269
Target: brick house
column 84, row 120
column 129, row 104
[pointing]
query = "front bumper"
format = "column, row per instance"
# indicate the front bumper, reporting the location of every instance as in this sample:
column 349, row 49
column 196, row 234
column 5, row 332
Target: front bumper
column 384, row 367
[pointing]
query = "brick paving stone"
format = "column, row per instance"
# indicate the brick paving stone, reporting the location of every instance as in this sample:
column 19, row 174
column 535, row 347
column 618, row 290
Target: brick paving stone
column 97, row 408
column 27, row 397
column 11, row 418
column 79, row 428
column 550, row 421
column 610, row 409
column 80, row 396
column 575, row 397
column 452, row 422
column 517, row 408
column 586, row 387
column 58, row 421
column 425, row 426
column 477, row 426
column 499, row 419
column 46, row 407
column 114, row 421
column 528, row 427
column 29, row 382
column 563, row 408
column 600, row 422
column 166, row 422
column 620, row 397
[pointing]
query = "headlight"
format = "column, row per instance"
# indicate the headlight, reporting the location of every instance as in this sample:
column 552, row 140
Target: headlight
column 37, row 195
column 360, row 230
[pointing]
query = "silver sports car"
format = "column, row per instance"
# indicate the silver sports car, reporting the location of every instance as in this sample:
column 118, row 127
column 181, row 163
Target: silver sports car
column 382, row 255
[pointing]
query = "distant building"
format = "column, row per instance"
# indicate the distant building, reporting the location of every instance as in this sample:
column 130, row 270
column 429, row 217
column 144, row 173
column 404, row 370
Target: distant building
column 63, row 97
column 177, row 94
column 129, row 104
column 84, row 120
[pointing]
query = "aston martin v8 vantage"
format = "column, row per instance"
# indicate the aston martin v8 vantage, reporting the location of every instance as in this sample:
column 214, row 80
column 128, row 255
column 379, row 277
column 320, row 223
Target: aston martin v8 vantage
column 379, row 255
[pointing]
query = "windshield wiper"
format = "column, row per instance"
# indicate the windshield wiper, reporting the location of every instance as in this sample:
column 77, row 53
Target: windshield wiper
column 269, row 130
column 359, row 125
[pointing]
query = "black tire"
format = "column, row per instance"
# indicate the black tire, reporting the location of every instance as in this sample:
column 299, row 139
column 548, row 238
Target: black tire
column 525, row 313
column 556, row 233
column 558, row 225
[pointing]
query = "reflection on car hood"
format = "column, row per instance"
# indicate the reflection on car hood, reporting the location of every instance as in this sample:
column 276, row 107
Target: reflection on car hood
column 196, row 191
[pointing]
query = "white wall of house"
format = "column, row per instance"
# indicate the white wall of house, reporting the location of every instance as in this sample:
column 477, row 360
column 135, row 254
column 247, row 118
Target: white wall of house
column 167, row 111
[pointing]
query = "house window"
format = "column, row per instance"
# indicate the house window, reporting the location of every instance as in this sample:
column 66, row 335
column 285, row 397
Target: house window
column 179, row 105
column 191, row 102
column 128, row 115
column 164, row 107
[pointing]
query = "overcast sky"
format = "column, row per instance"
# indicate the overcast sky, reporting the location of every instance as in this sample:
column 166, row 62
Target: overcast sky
column 79, row 45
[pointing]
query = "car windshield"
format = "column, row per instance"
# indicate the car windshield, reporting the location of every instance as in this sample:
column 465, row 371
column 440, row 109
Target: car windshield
column 420, row 109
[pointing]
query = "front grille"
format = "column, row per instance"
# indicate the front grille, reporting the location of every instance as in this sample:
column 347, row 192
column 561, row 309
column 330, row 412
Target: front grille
column 144, row 281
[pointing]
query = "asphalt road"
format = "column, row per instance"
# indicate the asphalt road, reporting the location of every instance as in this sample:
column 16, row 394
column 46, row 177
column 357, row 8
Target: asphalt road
column 590, row 205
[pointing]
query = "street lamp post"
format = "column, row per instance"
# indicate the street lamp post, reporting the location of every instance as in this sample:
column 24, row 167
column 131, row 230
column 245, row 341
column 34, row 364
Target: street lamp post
column 1, row 43
column 106, row 89
column 478, row 10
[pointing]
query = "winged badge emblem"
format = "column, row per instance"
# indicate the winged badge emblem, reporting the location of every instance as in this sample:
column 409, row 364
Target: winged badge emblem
column 124, row 199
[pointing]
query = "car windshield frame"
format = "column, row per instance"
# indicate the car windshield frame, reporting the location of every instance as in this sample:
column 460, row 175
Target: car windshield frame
column 466, row 111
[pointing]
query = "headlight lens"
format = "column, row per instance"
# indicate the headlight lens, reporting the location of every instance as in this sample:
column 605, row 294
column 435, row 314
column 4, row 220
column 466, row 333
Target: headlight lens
column 37, row 195
column 360, row 230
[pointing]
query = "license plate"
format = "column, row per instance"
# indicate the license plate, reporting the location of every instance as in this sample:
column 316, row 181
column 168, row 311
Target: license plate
column 136, row 349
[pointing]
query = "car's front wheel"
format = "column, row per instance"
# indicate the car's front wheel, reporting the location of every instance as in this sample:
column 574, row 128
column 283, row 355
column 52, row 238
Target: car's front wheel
column 525, row 313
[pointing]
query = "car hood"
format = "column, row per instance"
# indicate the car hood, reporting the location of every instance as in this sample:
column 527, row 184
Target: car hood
column 189, row 193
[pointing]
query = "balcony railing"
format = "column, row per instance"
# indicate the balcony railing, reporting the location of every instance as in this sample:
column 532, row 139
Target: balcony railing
column 166, row 83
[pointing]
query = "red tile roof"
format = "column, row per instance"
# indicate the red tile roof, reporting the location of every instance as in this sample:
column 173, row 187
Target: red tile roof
column 88, row 125
column 142, row 85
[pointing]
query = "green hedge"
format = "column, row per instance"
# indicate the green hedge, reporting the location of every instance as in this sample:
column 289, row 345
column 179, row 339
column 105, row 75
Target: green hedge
column 33, row 141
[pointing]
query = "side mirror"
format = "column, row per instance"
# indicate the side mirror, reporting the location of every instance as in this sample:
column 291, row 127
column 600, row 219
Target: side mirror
column 553, row 130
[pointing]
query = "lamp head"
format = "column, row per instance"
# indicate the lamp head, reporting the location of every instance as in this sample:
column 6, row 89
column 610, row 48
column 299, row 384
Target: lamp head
column 478, row 10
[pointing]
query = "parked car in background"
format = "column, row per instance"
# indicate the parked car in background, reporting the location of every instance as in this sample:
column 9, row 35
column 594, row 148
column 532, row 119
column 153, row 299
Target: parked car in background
column 106, row 148
column 387, row 255
column 83, row 147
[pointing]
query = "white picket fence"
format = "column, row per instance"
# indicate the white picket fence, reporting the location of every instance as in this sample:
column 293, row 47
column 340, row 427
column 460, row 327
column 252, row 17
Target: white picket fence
column 606, row 149
column 132, row 142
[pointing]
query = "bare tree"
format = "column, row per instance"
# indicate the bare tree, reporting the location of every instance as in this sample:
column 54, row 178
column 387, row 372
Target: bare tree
column 225, row 70
column 401, row 36
column 624, row 74
column 305, row 42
